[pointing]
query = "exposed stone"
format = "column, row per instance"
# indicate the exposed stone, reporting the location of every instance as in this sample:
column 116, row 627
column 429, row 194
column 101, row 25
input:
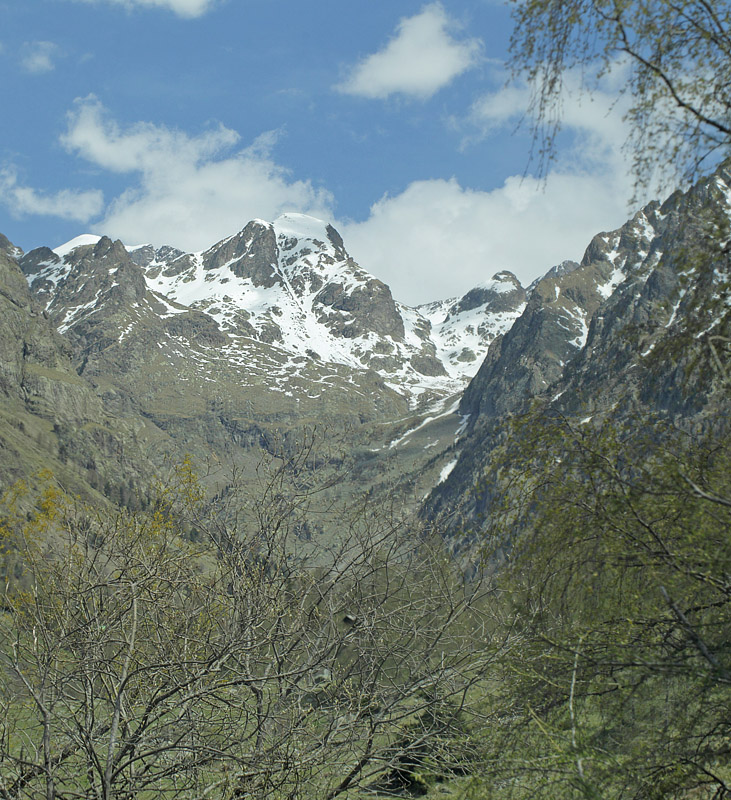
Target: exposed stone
column 493, row 296
column 32, row 261
column 371, row 305
column 7, row 247
column 252, row 253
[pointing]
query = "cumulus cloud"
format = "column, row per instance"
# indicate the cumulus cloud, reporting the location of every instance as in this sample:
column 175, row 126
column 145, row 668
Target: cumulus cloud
column 77, row 206
column 191, row 191
column 183, row 8
column 595, row 118
column 421, row 58
column 438, row 238
column 38, row 57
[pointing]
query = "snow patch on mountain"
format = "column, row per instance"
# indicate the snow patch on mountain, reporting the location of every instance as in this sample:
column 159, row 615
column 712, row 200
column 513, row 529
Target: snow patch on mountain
column 290, row 289
column 80, row 241
column 292, row 284
column 606, row 289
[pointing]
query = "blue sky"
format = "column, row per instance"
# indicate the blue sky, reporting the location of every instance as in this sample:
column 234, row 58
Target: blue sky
column 177, row 121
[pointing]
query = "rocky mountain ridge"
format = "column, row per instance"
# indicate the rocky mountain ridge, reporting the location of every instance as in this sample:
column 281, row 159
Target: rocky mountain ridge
column 639, row 330
column 290, row 285
column 235, row 351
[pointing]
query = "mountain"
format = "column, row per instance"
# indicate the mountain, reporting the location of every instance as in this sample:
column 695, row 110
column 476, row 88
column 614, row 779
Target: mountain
column 639, row 329
column 272, row 297
column 241, row 349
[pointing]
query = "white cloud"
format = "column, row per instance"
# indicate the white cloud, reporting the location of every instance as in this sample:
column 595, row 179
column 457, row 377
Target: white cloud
column 38, row 57
column 435, row 239
column 192, row 190
column 183, row 8
column 596, row 116
column 420, row 59
column 78, row 206
column 438, row 238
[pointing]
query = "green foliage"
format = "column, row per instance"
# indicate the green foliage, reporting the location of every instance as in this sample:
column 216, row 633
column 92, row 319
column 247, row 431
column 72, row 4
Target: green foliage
column 617, row 581
column 137, row 662
column 679, row 58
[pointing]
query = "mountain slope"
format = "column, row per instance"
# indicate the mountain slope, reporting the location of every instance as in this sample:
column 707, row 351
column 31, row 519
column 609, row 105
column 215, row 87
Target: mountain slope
column 290, row 285
column 53, row 418
column 639, row 330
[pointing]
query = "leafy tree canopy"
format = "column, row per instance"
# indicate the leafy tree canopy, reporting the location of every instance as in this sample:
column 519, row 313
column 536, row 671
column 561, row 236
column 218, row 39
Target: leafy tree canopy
column 678, row 53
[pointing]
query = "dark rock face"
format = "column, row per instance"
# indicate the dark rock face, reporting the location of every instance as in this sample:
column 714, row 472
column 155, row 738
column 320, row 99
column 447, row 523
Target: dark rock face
column 7, row 247
column 195, row 327
column 39, row 387
column 35, row 364
column 655, row 331
column 252, row 253
column 370, row 307
column 31, row 262
column 428, row 364
column 179, row 265
column 554, row 327
column 142, row 256
column 505, row 293
column 336, row 240
column 654, row 297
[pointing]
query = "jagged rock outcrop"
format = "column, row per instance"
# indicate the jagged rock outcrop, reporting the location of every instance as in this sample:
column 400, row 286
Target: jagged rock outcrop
column 252, row 254
column 468, row 325
column 650, row 339
column 554, row 326
column 654, row 342
column 502, row 294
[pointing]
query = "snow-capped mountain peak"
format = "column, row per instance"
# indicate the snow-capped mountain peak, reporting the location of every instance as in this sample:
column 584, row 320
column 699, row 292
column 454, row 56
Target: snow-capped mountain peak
column 79, row 241
column 291, row 285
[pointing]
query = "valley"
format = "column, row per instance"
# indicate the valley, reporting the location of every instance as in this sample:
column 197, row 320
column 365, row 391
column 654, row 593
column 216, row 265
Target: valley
column 376, row 542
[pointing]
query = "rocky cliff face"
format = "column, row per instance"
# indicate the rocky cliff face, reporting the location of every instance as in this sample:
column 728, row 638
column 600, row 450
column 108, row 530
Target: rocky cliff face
column 50, row 416
column 641, row 328
column 553, row 329
column 658, row 341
